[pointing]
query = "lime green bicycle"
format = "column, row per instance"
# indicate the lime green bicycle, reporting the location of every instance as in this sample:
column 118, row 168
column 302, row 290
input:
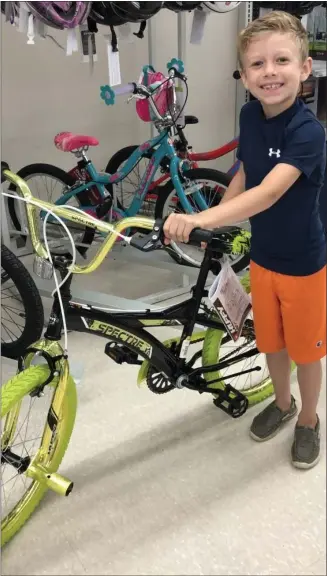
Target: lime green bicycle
column 234, row 374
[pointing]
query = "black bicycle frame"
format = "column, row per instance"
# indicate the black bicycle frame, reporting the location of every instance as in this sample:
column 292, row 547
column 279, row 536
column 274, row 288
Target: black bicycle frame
column 129, row 328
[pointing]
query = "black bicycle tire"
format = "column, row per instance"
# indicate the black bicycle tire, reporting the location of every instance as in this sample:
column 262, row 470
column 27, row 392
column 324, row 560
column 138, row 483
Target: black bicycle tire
column 59, row 174
column 165, row 191
column 34, row 313
column 117, row 160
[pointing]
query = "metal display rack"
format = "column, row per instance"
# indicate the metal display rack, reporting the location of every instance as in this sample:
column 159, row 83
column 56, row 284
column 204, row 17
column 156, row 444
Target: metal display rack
column 125, row 254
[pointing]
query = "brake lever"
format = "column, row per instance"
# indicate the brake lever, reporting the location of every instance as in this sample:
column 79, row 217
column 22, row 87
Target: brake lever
column 152, row 241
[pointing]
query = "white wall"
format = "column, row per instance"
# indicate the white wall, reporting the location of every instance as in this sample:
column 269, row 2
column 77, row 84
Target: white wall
column 44, row 92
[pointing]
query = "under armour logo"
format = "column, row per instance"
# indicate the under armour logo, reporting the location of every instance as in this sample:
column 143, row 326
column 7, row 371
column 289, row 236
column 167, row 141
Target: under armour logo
column 277, row 153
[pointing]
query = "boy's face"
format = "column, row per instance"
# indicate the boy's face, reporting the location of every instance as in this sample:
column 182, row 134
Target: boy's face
column 273, row 70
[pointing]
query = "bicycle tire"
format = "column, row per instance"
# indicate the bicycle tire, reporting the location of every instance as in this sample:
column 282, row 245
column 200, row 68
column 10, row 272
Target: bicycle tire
column 12, row 393
column 211, row 354
column 33, row 307
column 57, row 173
column 114, row 165
column 196, row 173
column 117, row 160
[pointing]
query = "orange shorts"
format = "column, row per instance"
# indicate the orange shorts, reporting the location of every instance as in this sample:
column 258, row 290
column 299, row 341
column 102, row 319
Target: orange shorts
column 289, row 312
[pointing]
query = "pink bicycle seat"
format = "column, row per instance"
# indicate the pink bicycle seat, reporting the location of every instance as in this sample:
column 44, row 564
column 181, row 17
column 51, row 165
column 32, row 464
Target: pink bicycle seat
column 67, row 141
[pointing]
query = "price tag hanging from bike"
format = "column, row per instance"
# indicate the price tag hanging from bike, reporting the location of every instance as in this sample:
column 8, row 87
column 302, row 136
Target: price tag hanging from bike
column 230, row 300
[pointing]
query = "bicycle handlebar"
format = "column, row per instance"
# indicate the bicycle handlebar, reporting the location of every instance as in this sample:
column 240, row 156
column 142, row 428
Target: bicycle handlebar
column 140, row 90
column 134, row 88
column 83, row 219
column 125, row 89
column 146, row 244
column 199, row 236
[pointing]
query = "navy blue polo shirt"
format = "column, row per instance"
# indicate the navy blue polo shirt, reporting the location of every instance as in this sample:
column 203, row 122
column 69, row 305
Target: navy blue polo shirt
column 289, row 236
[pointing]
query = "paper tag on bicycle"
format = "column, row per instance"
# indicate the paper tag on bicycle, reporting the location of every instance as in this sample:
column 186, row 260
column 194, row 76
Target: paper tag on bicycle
column 230, row 300
column 114, row 67
column 198, row 25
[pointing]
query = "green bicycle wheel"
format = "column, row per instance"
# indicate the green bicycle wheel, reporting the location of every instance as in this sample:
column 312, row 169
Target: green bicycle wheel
column 21, row 494
column 255, row 384
column 217, row 347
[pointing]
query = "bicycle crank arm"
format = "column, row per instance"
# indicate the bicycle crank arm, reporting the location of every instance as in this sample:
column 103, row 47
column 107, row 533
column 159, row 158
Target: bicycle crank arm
column 54, row 481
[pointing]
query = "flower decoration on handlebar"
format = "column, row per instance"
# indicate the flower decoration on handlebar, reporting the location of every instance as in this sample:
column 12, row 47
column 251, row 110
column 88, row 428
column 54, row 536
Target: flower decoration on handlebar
column 107, row 94
column 177, row 64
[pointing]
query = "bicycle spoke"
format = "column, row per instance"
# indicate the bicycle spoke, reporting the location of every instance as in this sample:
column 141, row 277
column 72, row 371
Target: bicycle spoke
column 15, row 485
column 13, row 336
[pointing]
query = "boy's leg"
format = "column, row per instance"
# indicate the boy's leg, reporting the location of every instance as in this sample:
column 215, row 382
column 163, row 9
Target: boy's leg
column 279, row 366
column 309, row 378
column 304, row 319
column 270, row 339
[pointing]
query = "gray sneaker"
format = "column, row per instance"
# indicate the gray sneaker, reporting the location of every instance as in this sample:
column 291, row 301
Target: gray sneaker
column 266, row 424
column 306, row 446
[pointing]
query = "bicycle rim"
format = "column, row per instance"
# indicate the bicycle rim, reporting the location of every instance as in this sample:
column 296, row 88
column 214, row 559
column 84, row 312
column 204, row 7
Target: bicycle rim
column 13, row 313
column 126, row 190
column 49, row 188
column 20, row 494
column 255, row 385
column 212, row 192
column 22, row 315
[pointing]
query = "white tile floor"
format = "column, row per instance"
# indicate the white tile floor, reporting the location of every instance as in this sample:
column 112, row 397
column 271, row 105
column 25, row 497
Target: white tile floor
column 171, row 485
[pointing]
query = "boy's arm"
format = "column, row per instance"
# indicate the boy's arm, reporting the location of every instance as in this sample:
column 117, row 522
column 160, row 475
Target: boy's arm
column 251, row 202
column 240, row 207
column 236, row 187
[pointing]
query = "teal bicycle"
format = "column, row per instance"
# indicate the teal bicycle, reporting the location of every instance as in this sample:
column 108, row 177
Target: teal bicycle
column 97, row 193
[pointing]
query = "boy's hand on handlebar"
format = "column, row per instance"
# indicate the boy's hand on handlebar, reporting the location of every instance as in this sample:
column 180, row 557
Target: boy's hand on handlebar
column 179, row 226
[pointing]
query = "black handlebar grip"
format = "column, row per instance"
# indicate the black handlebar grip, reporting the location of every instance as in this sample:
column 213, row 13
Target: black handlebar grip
column 198, row 236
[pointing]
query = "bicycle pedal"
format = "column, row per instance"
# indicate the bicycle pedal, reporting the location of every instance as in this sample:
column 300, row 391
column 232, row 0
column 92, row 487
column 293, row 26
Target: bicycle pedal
column 231, row 401
column 120, row 354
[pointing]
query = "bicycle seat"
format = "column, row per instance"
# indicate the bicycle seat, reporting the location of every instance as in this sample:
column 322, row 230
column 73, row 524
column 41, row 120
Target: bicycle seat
column 68, row 142
column 191, row 120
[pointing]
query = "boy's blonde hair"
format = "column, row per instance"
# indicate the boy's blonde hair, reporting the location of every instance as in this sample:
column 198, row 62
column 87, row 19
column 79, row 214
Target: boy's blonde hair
column 275, row 21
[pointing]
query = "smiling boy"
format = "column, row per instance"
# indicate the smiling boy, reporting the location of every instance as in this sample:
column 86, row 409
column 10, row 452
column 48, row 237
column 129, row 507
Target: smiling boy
column 283, row 155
